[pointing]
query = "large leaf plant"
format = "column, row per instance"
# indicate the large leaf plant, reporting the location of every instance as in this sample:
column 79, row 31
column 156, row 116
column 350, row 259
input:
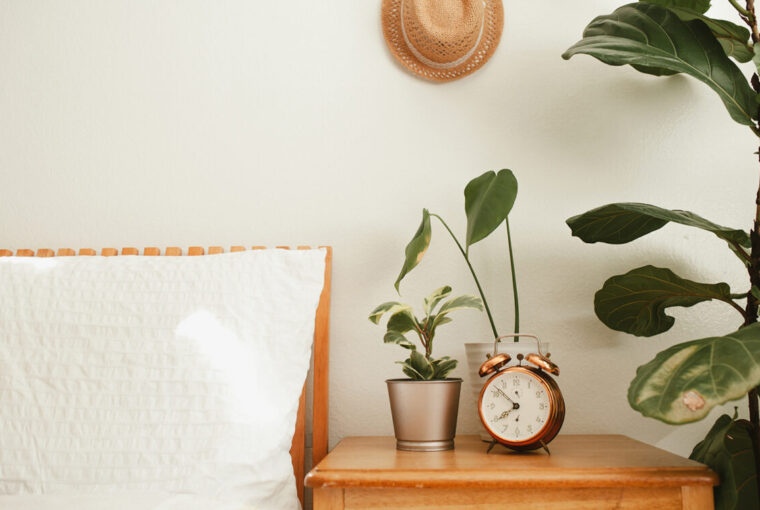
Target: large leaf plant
column 488, row 200
column 684, row 382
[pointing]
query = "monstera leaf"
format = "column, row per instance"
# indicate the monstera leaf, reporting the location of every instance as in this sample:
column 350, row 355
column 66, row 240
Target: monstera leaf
column 648, row 35
column 624, row 222
column 684, row 382
column 727, row 450
column 635, row 302
column 488, row 199
column 416, row 248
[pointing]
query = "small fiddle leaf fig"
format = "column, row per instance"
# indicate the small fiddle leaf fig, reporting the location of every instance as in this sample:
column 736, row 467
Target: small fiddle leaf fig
column 488, row 199
column 624, row 222
column 436, row 297
column 727, row 450
column 684, row 382
column 635, row 302
column 648, row 35
column 394, row 337
column 416, row 248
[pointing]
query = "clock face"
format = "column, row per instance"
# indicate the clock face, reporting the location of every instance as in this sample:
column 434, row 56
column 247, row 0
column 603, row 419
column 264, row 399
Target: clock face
column 515, row 406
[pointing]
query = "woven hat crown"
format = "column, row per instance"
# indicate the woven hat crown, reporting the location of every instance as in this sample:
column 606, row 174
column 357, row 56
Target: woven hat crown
column 442, row 31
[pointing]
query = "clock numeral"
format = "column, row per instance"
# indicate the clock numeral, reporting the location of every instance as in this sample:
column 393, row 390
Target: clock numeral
column 538, row 394
column 491, row 405
column 542, row 405
column 515, row 382
column 539, row 420
column 529, row 384
column 494, row 393
column 530, row 429
column 517, row 431
column 504, row 429
column 495, row 418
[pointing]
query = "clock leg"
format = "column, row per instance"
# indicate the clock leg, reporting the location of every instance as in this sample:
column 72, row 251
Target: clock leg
column 543, row 445
column 490, row 447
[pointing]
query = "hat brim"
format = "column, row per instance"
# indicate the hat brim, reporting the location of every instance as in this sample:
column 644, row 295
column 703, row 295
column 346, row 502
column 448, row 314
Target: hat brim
column 394, row 37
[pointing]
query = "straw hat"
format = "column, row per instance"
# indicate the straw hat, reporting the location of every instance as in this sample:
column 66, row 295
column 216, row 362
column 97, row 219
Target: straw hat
column 442, row 40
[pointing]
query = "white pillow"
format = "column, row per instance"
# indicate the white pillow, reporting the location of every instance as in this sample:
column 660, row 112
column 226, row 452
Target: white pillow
column 155, row 375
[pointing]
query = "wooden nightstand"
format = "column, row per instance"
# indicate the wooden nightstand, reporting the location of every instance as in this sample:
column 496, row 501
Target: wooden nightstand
column 589, row 471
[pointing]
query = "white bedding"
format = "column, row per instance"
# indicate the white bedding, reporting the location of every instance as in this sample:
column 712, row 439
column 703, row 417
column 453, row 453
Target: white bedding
column 177, row 377
column 133, row 502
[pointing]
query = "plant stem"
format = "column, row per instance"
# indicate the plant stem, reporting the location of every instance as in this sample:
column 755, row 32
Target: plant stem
column 474, row 276
column 514, row 281
column 742, row 10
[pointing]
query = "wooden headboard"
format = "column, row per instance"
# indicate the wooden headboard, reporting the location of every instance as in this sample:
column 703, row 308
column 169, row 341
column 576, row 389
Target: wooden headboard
column 321, row 347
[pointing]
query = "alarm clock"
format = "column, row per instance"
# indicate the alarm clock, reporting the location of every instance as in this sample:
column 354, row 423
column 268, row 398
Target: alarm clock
column 521, row 406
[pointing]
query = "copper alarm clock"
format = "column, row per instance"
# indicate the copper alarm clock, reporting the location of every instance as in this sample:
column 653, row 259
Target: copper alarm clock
column 521, row 406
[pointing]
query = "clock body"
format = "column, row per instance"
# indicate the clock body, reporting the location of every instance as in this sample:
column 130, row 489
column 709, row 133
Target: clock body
column 521, row 407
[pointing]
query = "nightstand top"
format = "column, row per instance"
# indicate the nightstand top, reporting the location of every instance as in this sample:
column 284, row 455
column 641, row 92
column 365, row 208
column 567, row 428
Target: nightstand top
column 576, row 461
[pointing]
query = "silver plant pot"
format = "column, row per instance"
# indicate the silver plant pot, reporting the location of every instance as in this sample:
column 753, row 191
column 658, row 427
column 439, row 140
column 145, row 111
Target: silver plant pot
column 424, row 413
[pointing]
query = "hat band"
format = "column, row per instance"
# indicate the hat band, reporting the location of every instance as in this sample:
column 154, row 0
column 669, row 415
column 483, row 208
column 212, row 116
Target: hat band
column 438, row 65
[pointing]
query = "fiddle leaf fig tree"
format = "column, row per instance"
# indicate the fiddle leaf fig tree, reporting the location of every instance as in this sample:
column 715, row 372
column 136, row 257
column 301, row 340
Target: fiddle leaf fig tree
column 684, row 382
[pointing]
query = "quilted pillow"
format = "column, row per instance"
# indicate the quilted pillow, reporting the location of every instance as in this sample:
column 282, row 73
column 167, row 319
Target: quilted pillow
column 155, row 375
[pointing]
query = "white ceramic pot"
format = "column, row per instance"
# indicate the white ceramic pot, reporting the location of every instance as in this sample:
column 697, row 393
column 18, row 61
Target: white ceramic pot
column 476, row 355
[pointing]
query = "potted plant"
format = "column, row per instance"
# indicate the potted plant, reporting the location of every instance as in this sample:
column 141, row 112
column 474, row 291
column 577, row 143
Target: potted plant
column 683, row 383
column 424, row 406
column 488, row 200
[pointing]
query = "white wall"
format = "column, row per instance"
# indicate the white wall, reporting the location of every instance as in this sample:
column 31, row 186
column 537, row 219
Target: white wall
column 248, row 122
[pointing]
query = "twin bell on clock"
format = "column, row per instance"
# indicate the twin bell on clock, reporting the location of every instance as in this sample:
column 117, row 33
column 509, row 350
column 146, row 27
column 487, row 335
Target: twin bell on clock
column 521, row 405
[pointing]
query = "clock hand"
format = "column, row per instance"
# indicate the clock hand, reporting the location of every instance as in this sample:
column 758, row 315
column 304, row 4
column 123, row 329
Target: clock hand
column 504, row 394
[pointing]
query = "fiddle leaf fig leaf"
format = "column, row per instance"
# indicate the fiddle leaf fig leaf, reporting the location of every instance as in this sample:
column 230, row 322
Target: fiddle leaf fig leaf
column 699, row 6
column 488, row 199
column 436, row 297
column 416, row 248
column 684, row 382
column 635, row 302
column 652, row 36
column 733, row 38
column 727, row 450
column 624, row 222
column 394, row 337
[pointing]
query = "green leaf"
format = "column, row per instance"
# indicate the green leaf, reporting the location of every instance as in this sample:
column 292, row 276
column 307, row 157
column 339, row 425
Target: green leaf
column 416, row 248
column 419, row 365
column 442, row 367
column 684, row 382
column 727, row 450
column 402, row 322
column 635, row 302
column 436, row 297
column 700, row 6
column 733, row 38
column 394, row 337
column 624, row 222
column 409, row 371
column 391, row 307
column 460, row 303
column 756, row 57
column 488, row 199
column 644, row 34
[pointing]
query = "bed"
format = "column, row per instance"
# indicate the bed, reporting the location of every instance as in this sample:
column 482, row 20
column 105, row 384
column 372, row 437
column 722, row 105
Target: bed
column 37, row 495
